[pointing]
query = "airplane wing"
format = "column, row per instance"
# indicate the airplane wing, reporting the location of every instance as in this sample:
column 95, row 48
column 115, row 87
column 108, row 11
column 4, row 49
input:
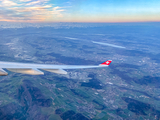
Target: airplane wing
column 34, row 69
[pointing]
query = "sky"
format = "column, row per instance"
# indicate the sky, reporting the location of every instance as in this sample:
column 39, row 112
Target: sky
column 80, row 10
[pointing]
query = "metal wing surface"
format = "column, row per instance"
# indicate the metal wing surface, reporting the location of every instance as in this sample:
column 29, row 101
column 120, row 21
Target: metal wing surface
column 34, row 69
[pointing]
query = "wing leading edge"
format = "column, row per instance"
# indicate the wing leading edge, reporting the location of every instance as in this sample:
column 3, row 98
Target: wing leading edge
column 34, row 69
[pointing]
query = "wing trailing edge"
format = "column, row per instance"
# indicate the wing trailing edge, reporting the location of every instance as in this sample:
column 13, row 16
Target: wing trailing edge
column 58, row 71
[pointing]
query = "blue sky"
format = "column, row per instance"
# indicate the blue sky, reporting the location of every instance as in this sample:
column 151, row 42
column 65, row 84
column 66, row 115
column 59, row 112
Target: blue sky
column 80, row 10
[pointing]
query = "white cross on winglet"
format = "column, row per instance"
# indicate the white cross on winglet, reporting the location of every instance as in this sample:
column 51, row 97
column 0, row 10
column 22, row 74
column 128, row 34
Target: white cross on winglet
column 107, row 62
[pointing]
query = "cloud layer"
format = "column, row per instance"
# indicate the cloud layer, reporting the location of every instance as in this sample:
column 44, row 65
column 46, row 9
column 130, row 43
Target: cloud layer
column 107, row 44
column 79, row 10
column 29, row 11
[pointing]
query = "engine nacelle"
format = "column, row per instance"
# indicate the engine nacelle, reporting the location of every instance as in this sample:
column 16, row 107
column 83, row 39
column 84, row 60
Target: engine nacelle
column 2, row 72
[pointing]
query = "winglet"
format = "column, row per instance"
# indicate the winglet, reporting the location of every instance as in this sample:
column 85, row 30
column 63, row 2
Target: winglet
column 108, row 62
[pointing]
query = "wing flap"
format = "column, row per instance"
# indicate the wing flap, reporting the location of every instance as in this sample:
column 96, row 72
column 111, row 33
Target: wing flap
column 27, row 71
column 58, row 71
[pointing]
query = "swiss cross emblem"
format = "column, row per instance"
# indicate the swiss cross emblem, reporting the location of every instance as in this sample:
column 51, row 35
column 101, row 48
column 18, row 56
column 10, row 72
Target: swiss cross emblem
column 107, row 62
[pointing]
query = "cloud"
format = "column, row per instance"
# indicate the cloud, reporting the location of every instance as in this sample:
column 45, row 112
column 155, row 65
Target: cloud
column 32, row 0
column 25, row 0
column 8, row 3
column 107, row 44
column 71, row 38
column 29, row 11
column 33, row 3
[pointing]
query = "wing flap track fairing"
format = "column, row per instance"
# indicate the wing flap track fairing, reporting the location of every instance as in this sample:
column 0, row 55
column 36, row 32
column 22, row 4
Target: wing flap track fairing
column 2, row 72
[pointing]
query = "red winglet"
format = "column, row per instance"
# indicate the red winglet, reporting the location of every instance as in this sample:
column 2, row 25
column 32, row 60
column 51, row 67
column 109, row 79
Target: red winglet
column 108, row 62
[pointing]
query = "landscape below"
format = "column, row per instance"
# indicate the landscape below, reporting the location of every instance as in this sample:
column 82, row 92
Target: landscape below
column 128, row 88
